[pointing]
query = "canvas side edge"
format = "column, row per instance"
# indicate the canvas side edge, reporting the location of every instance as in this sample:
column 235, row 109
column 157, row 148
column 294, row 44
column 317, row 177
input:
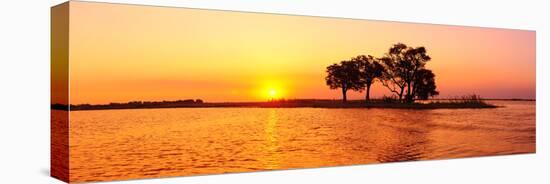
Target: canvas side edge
column 59, row 122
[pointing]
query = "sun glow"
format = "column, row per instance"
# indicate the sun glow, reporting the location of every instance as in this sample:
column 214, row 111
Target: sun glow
column 272, row 93
column 272, row 90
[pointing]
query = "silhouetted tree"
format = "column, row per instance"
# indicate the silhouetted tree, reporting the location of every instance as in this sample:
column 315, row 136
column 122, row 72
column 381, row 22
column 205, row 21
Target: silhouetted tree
column 370, row 69
column 392, row 78
column 424, row 84
column 346, row 76
column 402, row 64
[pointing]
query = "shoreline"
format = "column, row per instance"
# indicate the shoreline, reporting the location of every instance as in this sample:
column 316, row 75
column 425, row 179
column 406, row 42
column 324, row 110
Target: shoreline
column 331, row 104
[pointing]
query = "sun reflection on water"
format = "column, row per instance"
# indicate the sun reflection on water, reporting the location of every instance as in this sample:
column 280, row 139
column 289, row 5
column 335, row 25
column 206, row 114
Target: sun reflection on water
column 272, row 141
column 141, row 143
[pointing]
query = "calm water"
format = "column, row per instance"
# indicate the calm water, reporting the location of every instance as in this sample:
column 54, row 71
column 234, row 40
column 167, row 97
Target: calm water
column 139, row 143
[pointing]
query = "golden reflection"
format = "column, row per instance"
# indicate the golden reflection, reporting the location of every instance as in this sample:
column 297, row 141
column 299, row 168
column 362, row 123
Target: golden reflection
column 135, row 143
column 406, row 141
column 272, row 161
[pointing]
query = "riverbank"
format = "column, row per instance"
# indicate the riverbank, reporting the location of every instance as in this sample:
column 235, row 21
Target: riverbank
column 313, row 103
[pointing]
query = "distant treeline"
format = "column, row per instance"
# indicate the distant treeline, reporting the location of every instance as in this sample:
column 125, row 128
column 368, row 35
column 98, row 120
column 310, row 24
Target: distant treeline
column 133, row 105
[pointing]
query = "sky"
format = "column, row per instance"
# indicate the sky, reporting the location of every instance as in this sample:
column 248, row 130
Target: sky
column 121, row 53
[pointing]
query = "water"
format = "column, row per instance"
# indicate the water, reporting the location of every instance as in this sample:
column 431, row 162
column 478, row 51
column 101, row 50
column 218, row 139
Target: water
column 143, row 143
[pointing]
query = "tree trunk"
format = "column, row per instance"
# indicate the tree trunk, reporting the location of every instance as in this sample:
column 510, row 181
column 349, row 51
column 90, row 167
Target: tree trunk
column 401, row 94
column 413, row 94
column 344, row 96
column 409, row 97
column 367, row 97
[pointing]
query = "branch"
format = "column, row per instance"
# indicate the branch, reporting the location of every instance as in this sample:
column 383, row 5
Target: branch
column 384, row 83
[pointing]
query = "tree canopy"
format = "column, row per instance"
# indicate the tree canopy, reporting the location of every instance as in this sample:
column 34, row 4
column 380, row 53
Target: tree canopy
column 369, row 69
column 344, row 75
column 424, row 84
column 403, row 64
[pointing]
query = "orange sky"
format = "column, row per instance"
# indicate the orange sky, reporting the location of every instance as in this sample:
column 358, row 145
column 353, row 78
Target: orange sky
column 120, row 53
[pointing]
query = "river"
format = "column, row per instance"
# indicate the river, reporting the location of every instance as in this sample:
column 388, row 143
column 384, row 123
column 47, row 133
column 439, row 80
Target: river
column 145, row 143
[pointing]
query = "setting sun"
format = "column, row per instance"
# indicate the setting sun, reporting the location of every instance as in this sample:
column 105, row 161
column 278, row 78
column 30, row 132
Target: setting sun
column 273, row 90
column 272, row 93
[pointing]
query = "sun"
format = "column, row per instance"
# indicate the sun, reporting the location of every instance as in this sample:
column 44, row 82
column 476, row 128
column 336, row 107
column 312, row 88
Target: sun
column 272, row 90
column 272, row 93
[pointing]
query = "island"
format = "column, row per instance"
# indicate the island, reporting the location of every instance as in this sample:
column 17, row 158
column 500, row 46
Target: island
column 293, row 103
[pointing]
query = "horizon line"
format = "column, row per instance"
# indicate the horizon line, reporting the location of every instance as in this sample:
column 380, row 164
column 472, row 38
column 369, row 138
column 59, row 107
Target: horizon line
column 281, row 100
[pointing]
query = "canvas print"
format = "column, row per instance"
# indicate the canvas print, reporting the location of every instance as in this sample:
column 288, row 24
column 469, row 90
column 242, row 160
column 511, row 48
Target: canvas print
column 147, row 92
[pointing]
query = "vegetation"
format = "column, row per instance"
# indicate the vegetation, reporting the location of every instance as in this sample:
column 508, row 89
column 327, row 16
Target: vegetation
column 139, row 105
column 345, row 76
column 387, row 102
column 401, row 70
column 424, row 85
column 370, row 69
column 468, row 99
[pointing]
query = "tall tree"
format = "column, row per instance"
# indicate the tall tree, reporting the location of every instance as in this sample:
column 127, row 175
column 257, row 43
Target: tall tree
column 370, row 69
column 346, row 76
column 393, row 77
column 402, row 64
column 416, row 59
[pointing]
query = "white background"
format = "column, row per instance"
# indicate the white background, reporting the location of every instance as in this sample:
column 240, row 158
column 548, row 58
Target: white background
column 24, row 90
